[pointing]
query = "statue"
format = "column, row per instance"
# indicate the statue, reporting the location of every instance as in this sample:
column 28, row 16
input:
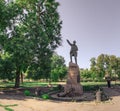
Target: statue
column 73, row 51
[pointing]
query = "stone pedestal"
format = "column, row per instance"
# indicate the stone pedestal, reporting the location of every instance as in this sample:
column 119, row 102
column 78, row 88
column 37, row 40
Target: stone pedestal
column 73, row 80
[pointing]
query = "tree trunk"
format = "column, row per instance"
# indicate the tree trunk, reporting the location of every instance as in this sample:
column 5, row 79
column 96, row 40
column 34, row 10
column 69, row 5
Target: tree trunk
column 17, row 79
column 22, row 78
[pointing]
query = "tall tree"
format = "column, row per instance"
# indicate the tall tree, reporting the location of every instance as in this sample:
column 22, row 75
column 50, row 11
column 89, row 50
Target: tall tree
column 44, row 29
column 93, row 64
column 103, row 63
column 100, row 66
column 58, row 67
column 6, row 67
column 34, row 35
column 93, row 68
column 118, row 67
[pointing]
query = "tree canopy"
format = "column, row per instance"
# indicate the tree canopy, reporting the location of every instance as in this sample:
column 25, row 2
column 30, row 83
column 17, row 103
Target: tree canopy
column 102, row 65
column 29, row 33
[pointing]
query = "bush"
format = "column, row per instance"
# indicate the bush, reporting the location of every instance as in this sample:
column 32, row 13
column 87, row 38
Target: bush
column 27, row 93
column 45, row 96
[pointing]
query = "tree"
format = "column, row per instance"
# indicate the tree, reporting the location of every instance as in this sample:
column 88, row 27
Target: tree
column 6, row 67
column 34, row 33
column 45, row 33
column 85, row 74
column 8, row 12
column 58, row 67
column 100, row 67
column 105, row 63
column 118, row 67
column 93, row 64
column 19, row 49
column 112, row 63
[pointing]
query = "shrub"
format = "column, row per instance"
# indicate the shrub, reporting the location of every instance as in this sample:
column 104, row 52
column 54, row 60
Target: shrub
column 27, row 93
column 45, row 96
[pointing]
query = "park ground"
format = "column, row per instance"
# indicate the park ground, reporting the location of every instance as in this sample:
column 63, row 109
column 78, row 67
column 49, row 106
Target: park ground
column 10, row 102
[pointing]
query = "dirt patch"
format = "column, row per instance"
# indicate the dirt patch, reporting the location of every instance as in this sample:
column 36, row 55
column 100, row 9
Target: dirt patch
column 37, row 104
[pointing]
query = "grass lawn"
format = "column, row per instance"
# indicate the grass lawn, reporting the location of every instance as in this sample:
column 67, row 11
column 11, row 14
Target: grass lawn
column 25, row 84
column 6, row 85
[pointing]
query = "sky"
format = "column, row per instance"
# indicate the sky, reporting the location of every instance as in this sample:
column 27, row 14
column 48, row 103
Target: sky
column 94, row 24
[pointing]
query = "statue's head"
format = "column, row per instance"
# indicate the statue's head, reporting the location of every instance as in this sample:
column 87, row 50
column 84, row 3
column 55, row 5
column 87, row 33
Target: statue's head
column 74, row 42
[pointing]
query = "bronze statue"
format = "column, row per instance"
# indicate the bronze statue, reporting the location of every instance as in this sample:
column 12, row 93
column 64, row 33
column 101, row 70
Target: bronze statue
column 73, row 51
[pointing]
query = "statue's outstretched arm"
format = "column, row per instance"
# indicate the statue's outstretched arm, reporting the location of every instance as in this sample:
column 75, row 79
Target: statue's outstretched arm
column 69, row 42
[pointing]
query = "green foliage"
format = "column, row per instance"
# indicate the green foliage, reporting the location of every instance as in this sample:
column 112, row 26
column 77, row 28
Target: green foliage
column 92, row 86
column 58, row 68
column 7, row 12
column 9, row 84
column 6, row 107
column 45, row 34
column 27, row 93
column 85, row 74
column 45, row 96
column 88, row 75
column 30, row 32
column 89, row 88
column 6, row 68
column 105, row 63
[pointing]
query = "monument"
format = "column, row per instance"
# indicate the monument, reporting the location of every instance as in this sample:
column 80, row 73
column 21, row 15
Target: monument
column 73, row 51
column 73, row 77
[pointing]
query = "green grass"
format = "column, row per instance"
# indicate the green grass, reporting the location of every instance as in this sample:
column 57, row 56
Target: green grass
column 34, row 84
column 6, row 107
column 25, row 84
column 93, row 83
column 100, row 83
column 93, row 86
column 7, row 85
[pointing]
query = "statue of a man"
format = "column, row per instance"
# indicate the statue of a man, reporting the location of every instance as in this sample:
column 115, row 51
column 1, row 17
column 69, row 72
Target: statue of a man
column 73, row 51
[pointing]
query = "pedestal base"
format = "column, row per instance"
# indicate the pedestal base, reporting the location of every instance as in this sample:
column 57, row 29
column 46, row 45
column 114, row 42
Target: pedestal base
column 73, row 85
column 77, row 89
